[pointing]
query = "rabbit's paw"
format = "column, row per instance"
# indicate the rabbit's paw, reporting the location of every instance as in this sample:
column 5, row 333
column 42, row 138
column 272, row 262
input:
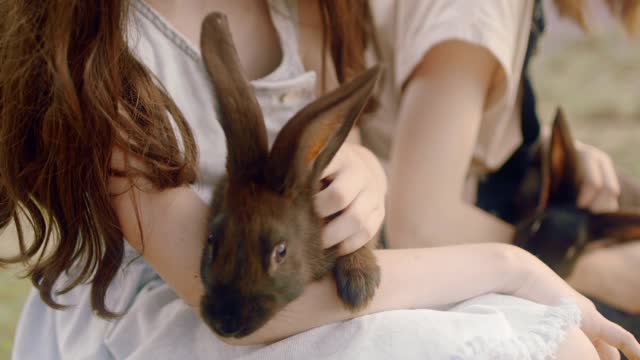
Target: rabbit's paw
column 357, row 277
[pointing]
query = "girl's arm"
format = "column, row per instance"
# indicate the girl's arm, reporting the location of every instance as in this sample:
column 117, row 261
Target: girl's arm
column 441, row 110
column 410, row 279
column 440, row 115
column 173, row 225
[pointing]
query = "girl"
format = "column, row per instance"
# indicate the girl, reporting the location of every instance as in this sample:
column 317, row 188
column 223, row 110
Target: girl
column 466, row 79
column 101, row 116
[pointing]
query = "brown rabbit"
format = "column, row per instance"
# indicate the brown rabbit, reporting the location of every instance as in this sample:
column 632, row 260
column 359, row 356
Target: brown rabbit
column 552, row 227
column 264, row 241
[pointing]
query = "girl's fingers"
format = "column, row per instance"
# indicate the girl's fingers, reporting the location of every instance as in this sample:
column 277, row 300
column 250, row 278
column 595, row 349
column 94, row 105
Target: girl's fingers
column 604, row 202
column 350, row 222
column 606, row 351
column 591, row 179
column 342, row 191
column 610, row 177
column 607, row 199
column 378, row 176
column 600, row 186
column 356, row 218
column 357, row 189
column 359, row 239
column 339, row 229
column 616, row 336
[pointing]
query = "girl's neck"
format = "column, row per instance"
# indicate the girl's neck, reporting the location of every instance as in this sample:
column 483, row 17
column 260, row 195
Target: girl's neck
column 255, row 36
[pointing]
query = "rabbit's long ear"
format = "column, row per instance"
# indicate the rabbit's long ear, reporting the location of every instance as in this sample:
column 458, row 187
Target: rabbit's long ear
column 240, row 115
column 620, row 226
column 561, row 181
column 308, row 142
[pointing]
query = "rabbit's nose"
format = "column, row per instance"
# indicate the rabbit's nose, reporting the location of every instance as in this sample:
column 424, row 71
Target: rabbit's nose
column 227, row 325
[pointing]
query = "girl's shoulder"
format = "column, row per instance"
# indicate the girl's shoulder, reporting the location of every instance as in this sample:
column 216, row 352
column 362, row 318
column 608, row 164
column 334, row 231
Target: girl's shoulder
column 407, row 30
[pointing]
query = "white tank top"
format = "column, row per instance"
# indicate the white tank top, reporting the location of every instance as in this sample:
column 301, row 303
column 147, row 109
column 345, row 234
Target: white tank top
column 178, row 66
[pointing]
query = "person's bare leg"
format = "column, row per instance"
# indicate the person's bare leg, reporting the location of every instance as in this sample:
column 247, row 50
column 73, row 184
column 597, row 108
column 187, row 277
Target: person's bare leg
column 576, row 346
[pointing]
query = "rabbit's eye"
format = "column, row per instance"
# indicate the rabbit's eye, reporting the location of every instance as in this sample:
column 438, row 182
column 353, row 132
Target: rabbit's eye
column 279, row 253
column 535, row 227
column 216, row 233
column 211, row 248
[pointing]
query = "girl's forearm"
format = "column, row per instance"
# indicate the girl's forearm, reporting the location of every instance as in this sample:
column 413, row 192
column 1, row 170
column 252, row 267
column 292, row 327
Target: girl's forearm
column 411, row 278
column 411, row 224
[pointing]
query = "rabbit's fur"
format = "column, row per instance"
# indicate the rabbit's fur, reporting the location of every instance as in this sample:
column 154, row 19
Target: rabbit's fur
column 264, row 241
column 552, row 226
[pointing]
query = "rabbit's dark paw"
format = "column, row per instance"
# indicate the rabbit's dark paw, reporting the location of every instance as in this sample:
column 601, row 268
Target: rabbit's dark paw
column 357, row 277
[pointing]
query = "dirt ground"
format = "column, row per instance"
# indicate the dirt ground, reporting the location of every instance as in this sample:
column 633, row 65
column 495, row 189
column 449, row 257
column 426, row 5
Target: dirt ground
column 596, row 79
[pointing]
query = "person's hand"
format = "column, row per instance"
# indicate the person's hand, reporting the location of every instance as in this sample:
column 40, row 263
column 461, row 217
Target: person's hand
column 353, row 201
column 606, row 336
column 607, row 274
column 599, row 188
column 540, row 284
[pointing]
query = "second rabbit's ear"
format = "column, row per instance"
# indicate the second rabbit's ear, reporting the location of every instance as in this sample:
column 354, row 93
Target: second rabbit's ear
column 308, row 142
column 561, row 174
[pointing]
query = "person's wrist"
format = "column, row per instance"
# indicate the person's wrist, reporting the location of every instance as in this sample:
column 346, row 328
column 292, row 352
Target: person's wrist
column 516, row 265
column 535, row 281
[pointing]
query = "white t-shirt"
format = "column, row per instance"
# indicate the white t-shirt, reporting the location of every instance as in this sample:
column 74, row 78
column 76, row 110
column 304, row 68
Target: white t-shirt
column 408, row 29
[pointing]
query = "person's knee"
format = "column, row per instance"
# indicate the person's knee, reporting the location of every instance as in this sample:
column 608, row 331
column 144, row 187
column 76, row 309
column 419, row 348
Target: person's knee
column 576, row 346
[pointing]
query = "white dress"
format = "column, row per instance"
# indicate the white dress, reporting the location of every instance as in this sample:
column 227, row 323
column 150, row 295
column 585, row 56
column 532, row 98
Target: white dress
column 158, row 325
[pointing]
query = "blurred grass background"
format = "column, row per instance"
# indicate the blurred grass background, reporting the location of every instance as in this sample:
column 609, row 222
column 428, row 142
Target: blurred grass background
column 597, row 82
column 596, row 79
column 13, row 291
column 12, row 294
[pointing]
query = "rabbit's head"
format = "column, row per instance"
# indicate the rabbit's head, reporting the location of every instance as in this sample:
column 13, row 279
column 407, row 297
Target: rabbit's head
column 264, row 235
column 557, row 231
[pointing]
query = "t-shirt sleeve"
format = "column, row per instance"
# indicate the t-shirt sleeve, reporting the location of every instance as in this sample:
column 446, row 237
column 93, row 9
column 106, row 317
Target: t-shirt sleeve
column 496, row 25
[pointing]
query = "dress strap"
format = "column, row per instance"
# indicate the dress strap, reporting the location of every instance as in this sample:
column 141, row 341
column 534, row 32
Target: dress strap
column 284, row 14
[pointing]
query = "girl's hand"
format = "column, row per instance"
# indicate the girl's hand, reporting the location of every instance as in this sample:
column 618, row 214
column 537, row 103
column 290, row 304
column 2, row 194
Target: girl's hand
column 353, row 202
column 607, row 337
column 600, row 188
column 542, row 285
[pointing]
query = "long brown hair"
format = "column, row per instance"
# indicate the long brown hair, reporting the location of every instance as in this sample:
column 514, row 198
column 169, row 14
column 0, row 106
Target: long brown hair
column 71, row 91
column 347, row 32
